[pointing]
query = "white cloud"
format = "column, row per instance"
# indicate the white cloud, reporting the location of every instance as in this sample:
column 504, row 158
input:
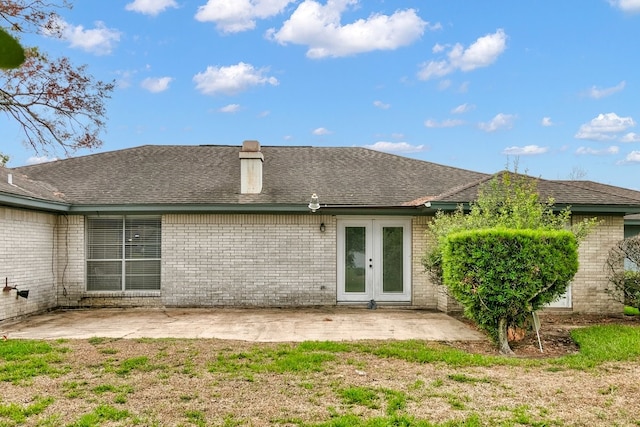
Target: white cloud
column 231, row 108
column 604, row 127
column 482, row 53
column 318, row 26
column 396, row 147
column 631, row 6
column 156, row 84
column 463, row 108
column 233, row 16
column 232, row 79
column 437, row 48
column 34, row 160
column 527, row 150
column 598, row 93
column 546, row 122
column 381, row 105
column 150, row 7
column 631, row 137
column 321, row 131
column 99, row 40
column 633, row 157
column 500, row 121
column 606, row 151
column 447, row 123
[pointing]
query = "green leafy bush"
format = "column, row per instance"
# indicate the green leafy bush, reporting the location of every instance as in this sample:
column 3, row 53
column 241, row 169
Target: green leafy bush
column 501, row 275
column 508, row 200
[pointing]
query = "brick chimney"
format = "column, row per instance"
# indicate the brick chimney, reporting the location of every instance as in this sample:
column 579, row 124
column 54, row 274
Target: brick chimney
column 251, row 159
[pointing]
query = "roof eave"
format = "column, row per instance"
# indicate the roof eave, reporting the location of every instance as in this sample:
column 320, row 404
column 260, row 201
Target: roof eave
column 575, row 208
column 297, row 208
column 14, row 200
column 589, row 209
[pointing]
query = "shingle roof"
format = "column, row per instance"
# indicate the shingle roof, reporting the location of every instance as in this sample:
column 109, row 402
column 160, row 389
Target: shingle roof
column 211, row 175
column 21, row 185
column 579, row 193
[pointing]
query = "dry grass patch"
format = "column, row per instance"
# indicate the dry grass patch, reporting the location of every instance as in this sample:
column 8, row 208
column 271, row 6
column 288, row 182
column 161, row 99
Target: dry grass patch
column 222, row 383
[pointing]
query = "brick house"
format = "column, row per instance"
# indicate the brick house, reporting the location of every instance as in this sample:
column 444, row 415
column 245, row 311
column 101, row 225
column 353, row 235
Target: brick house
column 210, row 226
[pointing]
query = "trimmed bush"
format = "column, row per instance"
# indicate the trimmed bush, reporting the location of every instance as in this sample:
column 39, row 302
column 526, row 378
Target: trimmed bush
column 502, row 275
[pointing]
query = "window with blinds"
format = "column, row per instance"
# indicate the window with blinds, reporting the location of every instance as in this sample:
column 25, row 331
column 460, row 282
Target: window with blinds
column 123, row 253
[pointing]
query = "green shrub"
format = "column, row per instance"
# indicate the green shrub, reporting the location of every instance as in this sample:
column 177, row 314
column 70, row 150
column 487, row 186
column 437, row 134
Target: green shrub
column 501, row 275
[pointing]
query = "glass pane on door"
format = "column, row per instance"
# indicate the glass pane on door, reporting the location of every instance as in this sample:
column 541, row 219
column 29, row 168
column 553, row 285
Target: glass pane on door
column 355, row 259
column 392, row 259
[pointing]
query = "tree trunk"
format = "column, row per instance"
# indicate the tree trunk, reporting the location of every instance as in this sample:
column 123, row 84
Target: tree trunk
column 503, row 341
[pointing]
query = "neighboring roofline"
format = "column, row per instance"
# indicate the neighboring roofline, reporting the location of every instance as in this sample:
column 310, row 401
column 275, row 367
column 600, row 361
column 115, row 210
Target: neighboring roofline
column 19, row 201
column 575, row 208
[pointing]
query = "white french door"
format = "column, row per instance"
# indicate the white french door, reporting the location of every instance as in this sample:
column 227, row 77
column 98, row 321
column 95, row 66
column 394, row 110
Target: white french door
column 374, row 260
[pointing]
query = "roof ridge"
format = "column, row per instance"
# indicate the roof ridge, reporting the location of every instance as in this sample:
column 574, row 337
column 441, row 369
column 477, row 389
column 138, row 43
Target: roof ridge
column 462, row 187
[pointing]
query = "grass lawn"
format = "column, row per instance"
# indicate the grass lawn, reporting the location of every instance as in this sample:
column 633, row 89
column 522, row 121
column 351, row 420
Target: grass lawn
column 174, row 382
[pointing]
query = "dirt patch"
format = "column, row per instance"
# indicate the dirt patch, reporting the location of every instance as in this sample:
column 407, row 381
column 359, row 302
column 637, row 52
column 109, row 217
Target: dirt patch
column 555, row 335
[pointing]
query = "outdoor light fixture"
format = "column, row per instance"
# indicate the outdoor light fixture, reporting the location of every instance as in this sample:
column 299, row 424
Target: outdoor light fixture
column 314, row 205
column 24, row 294
column 323, row 227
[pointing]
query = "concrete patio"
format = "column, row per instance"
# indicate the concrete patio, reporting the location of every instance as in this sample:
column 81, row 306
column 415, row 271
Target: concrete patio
column 258, row 325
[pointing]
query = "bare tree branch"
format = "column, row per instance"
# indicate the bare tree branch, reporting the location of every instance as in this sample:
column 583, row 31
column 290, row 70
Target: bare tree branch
column 56, row 104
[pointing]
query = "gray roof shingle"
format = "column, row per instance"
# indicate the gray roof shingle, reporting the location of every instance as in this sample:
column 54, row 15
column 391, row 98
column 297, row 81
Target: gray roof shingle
column 578, row 193
column 22, row 186
column 211, row 175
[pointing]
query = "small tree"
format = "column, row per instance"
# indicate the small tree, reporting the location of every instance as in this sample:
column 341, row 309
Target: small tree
column 508, row 201
column 623, row 270
column 500, row 276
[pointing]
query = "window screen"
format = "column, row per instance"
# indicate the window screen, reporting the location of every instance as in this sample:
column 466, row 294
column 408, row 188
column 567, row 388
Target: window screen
column 123, row 253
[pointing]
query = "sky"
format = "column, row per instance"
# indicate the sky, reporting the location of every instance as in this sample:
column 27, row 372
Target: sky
column 549, row 87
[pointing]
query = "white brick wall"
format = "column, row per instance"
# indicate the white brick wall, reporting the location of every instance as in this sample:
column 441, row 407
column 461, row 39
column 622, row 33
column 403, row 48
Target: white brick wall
column 72, row 273
column 248, row 260
column 233, row 260
column 590, row 283
column 425, row 293
column 27, row 260
column 71, row 260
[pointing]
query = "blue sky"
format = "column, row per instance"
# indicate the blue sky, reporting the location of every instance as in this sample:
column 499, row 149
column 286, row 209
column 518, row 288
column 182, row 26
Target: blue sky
column 552, row 85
